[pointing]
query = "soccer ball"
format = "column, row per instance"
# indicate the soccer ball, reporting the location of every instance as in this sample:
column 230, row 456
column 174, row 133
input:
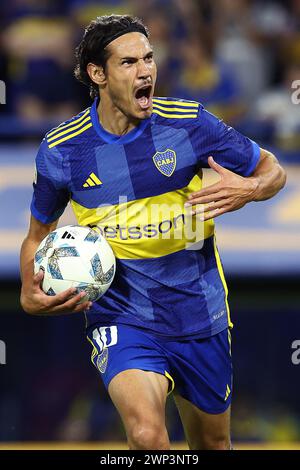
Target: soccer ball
column 75, row 256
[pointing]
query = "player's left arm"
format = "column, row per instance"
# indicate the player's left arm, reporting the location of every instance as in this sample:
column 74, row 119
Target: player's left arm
column 233, row 191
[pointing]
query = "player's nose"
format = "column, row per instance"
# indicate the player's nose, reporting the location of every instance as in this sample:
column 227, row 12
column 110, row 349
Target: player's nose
column 142, row 70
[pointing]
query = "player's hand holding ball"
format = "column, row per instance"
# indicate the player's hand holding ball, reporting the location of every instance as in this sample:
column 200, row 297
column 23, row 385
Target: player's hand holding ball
column 35, row 301
column 73, row 266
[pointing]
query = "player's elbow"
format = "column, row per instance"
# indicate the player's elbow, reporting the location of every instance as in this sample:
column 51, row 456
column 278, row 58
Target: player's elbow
column 279, row 173
column 282, row 176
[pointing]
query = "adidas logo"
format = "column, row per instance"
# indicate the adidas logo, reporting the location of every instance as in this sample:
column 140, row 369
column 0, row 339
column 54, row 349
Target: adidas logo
column 92, row 180
column 68, row 235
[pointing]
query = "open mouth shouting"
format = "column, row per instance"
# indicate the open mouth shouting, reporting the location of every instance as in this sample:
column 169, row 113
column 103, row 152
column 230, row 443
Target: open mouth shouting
column 143, row 96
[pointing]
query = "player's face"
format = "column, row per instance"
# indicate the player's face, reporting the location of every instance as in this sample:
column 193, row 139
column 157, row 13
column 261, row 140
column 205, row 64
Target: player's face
column 131, row 75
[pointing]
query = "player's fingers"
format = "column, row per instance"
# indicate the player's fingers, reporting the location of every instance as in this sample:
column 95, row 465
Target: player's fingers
column 71, row 306
column 215, row 166
column 37, row 282
column 212, row 189
column 202, row 208
column 37, row 278
column 207, row 199
column 71, row 303
column 214, row 213
column 75, row 301
column 82, row 307
column 64, row 296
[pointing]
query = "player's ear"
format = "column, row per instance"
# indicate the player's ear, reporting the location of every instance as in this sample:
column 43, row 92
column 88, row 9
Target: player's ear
column 96, row 74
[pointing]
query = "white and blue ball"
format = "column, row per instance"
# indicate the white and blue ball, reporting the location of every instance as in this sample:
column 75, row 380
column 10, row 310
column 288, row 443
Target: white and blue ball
column 75, row 256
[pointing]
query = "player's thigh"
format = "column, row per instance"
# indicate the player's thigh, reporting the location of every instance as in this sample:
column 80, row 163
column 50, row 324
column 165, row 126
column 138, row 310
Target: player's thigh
column 204, row 430
column 140, row 398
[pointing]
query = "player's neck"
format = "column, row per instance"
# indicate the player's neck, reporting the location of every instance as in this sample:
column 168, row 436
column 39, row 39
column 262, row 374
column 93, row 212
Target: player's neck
column 113, row 120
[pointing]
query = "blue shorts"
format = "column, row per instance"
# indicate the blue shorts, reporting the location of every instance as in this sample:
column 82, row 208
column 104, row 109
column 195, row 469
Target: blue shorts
column 200, row 370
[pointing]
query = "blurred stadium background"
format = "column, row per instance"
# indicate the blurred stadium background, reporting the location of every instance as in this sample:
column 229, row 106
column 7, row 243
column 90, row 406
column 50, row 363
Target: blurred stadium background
column 239, row 58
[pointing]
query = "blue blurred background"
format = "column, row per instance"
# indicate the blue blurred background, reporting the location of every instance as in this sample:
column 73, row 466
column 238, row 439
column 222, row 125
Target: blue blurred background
column 240, row 59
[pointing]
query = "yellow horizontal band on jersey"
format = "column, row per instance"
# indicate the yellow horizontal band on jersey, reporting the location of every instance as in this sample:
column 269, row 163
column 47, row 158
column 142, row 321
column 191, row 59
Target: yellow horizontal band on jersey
column 69, row 136
column 66, row 131
column 149, row 227
column 65, row 126
column 174, row 116
column 221, row 274
column 173, row 108
column 191, row 104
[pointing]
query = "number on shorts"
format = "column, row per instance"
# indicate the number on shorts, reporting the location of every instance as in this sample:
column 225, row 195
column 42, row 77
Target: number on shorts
column 105, row 336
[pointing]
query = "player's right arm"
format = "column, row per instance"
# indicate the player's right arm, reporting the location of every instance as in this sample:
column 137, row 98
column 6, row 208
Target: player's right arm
column 50, row 198
column 33, row 299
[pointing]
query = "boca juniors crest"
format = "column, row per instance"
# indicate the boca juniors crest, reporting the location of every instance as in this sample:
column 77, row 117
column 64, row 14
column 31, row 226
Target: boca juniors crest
column 165, row 162
column 102, row 361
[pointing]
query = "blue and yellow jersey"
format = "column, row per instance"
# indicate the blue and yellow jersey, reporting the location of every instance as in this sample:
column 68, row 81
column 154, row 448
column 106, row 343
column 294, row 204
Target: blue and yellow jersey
column 132, row 188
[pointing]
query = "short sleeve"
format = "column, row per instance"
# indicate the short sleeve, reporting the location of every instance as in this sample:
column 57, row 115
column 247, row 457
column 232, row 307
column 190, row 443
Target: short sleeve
column 50, row 189
column 230, row 148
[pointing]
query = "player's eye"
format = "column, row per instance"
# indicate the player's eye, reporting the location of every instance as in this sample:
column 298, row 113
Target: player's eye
column 127, row 61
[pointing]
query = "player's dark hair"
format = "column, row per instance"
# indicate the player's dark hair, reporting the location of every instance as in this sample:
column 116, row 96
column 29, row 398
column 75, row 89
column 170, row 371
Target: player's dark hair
column 97, row 35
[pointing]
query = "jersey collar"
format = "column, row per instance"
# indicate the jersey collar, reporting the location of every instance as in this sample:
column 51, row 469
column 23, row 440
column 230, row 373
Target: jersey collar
column 113, row 138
